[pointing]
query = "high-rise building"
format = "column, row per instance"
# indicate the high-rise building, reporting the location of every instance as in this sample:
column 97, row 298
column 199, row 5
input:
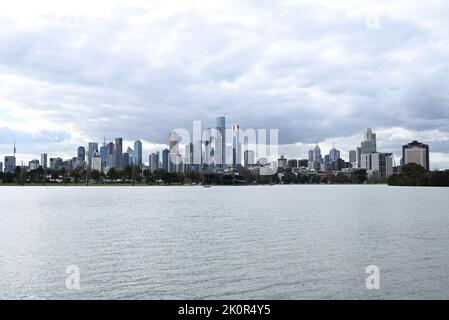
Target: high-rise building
column 118, row 153
column 1, row 166
column 352, row 156
column 10, row 164
column 369, row 144
column 56, row 163
column 377, row 164
column 173, row 151
column 81, row 154
column 220, row 142
column 96, row 161
column 236, row 146
column 33, row 164
column 334, row 154
column 44, row 162
column 154, row 162
column 315, row 158
column 103, row 152
column 137, row 159
column 416, row 152
column 249, row 158
column 208, row 158
column 110, row 157
column 165, row 159
column 92, row 148
column 292, row 163
column 125, row 161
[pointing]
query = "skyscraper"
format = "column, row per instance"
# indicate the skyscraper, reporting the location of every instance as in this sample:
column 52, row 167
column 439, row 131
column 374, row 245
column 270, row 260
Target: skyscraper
column 173, row 151
column 236, row 146
column 154, row 162
column 220, row 142
column 315, row 158
column 92, row 148
column 165, row 159
column 110, row 156
column 10, row 164
column 81, row 154
column 118, row 153
column 137, row 160
column 369, row 144
column 249, row 158
column 334, row 154
column 44, row 162
column 352, row 156
column 416, row 152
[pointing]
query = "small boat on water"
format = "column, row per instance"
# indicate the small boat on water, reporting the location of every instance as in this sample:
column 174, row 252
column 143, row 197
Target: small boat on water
column 207, row 186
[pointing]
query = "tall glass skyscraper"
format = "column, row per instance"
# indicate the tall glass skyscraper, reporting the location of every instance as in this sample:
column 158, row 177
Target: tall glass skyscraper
column 138, row 153
column 92, row 148
column 220, row 142
column 118, row 153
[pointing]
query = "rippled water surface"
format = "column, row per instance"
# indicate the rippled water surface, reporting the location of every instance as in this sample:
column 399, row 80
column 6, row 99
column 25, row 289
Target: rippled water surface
column 261, row 242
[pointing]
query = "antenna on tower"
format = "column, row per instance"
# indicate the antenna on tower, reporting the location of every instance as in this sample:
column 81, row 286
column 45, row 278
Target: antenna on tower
column 14, row 148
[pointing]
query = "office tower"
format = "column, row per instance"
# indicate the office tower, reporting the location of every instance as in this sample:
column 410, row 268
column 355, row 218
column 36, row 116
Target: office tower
column 416, row 152
column 165, row 159
column 125, row 161
column 81, row 154
column 249, row 158
column 110, row 156
column 103, row 152
column 315, row 158
column 154, row 162
column 197, row 154
column 33, row 164
column 369, row 144
column 96, row 161
column 174, row 151
column 292, row 163
column 56, row 163
column 220, row 142
column 303, row 163
column 282, row 162
column 334, row 154
column 44, row 162
column 208, row 158
column 118, row 153
column 352, row 156
column 1, row 166
column 378, row 164
column 10, row 164
column 92, row 148
column 236, row 146
column 188, row 158
column 137, row 159
column 130, row 159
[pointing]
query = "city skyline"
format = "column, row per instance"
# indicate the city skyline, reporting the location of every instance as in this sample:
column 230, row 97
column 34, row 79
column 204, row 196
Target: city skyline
column 74, row 73
column 226, row 152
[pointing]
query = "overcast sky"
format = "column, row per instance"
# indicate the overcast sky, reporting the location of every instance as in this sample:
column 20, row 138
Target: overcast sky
column 76, row 71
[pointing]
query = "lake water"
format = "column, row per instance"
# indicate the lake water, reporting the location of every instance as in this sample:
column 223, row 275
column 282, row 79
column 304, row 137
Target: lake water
column 257, row 242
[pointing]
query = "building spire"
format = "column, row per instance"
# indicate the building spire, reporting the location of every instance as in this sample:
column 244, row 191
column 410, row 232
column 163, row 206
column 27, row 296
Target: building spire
column 14, row 148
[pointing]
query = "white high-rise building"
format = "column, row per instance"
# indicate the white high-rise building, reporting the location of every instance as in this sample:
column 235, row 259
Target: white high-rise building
column 96, row 161
column 236, row 146
column 380, row 164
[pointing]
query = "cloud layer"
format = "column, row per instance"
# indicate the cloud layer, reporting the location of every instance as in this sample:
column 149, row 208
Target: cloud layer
column 317, row 71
